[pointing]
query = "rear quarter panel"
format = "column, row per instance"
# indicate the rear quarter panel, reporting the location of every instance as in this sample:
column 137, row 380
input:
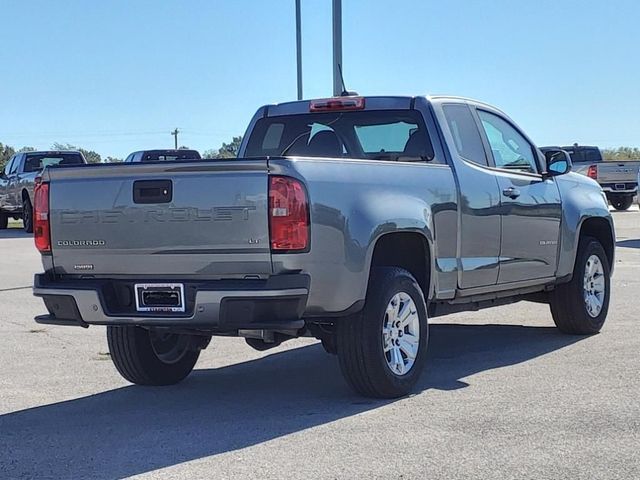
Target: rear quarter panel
column 353, row 204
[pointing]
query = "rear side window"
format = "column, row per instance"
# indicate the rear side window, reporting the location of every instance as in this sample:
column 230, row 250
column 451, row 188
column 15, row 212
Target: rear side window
column 36, row 162
column 465, row 133
column 398, row 135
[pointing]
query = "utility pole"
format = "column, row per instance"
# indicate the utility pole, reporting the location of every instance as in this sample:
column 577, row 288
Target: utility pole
column 299, row 48
column 175, row 134
column 337, row 47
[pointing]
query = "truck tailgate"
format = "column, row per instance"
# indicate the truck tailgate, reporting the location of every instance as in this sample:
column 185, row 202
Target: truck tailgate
column 617, row 172
column 161, row 220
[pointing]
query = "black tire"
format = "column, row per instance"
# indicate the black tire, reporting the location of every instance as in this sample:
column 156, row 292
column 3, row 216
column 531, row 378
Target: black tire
column 27, row 215
column 4, row 221
column 330, row 344
column 567, row 301
column 621, row 203
column 360, row 343
column 136, row 359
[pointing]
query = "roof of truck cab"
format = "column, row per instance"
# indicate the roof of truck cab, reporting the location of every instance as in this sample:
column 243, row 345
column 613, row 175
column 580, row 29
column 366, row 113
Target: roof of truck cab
column 379, row 102
column 51, row 152
column 302, row 106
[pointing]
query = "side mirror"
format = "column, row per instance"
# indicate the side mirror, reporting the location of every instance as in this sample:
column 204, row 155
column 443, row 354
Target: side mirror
column 558, row 162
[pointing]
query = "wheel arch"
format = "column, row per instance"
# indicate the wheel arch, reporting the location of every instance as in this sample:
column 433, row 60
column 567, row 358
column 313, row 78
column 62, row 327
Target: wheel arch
column 602, row 230
column 408, row 249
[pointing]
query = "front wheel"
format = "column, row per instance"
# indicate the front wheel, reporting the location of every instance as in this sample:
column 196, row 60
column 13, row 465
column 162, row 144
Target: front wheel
column 621, row 203
column 580, row 307
column 27, row 215
column 151, row 356
column 382, row 350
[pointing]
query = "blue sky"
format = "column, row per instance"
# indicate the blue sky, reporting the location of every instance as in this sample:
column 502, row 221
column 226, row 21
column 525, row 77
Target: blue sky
column 116, row 76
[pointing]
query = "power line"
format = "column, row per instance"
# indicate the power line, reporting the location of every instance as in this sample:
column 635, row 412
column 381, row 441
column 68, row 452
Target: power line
column 83, row 134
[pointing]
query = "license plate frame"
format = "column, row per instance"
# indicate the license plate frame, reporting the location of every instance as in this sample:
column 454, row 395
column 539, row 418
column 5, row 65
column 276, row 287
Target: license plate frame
column 143, row 290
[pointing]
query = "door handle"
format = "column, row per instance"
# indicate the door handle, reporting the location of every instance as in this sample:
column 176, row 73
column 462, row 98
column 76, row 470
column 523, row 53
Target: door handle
column 511, row 192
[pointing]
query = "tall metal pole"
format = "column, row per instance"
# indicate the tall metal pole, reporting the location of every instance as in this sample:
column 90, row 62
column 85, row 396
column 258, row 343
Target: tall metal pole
column 175, row 135
column 337, row 47
column 299, row 48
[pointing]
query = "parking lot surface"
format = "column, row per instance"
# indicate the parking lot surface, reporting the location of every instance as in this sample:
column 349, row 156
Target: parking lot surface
column 505, row 396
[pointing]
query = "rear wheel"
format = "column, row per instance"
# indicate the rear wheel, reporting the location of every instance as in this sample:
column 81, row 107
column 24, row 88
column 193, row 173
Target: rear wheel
column 4, row 221
column 621, row 203
column 152, row 356
column 580, row 306
column 27, row 215
column 382, row 350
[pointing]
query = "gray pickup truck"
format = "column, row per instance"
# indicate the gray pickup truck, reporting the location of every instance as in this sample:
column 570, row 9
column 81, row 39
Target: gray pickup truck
column 350, row 219
column 618, row 179
column 17, row 182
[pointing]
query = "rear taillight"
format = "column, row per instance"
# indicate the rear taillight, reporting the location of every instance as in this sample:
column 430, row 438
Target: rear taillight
column 41, row 230
column 288, row 215
column 593, row 172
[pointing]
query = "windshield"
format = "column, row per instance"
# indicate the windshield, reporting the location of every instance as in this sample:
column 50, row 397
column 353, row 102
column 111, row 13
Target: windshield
column 380, row 135
column 36, row 162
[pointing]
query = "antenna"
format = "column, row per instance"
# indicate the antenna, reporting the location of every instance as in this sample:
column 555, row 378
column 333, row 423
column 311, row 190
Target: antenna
column 345, row 92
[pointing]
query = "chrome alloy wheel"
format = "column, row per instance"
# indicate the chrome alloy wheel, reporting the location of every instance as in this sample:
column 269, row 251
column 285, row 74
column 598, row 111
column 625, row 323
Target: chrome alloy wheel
column 401, row 333
column 594, row 286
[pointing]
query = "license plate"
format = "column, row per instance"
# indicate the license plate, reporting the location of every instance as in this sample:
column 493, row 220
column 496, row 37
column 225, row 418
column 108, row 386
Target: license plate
column 159, row 297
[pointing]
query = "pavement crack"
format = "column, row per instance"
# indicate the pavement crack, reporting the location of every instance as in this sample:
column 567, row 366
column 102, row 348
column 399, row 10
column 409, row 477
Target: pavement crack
column 14, row 288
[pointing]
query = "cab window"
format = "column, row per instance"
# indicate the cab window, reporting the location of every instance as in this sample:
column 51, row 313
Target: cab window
column 7, row 167
column 14, row 165
column 510, row 149
column 465, row 133
column 392, row 135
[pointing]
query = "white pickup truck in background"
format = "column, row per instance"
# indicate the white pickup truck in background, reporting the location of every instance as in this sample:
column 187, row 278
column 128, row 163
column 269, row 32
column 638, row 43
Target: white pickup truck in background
column 618, row 179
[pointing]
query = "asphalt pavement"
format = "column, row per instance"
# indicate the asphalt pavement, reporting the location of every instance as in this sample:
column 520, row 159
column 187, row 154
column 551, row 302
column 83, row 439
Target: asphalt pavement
column 505, row 396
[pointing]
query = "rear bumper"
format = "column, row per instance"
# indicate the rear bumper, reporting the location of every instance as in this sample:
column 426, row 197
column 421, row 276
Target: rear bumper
column 621, row 188
column 220, row 305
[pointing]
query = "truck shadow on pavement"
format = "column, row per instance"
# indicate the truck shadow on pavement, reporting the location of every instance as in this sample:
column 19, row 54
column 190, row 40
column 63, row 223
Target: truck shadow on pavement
column 629, row 243
column 14, row 233
column 132, row 430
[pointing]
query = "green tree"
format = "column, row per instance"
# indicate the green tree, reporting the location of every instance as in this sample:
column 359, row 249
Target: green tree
column 112, row 160
column 621, row 153
column 227, row 150
column 5, row 154
column 90, row 155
